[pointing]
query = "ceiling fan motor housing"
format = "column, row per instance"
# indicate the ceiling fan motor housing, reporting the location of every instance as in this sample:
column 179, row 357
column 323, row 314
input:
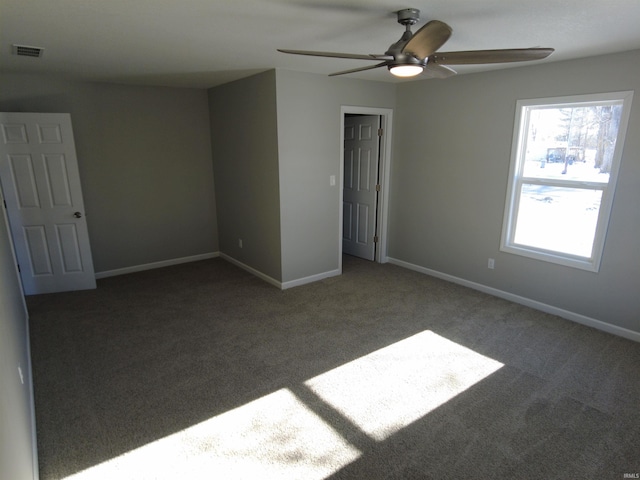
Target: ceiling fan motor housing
column 407, row 59
column 408, row 16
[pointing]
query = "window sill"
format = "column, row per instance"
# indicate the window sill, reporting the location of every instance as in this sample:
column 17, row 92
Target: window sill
column 565, row 260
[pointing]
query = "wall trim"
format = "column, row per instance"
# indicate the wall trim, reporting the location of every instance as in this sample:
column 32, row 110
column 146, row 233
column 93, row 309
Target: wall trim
column 281, row 285
column 237, row 263
column 252, row 270
column 566, row 314
column 32, row 404
column 151, row 266
column 310, row 279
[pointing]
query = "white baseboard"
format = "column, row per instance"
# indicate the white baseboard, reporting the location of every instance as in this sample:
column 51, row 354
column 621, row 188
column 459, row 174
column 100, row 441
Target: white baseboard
column 32, row 401
column 252, row 270
column 311, row 279
column 277, row 283
column 574, row 317
column 151, row 266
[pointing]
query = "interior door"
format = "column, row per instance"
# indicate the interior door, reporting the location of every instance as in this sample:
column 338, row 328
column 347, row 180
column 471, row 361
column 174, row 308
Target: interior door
column 361, row 159
column 43, row 198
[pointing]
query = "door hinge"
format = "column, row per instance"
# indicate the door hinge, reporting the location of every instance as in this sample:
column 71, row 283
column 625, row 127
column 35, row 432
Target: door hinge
column 380, row 132
column 378, row 187
column 375, row 239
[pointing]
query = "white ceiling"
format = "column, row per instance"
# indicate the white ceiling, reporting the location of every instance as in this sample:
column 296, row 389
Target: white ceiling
column 203, row 43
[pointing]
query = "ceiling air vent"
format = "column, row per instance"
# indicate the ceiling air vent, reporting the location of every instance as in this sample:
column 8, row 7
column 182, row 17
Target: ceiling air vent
column 25, row 51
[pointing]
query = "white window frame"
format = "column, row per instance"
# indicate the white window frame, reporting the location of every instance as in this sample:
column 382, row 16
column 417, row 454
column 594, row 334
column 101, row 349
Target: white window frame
column 516, row 179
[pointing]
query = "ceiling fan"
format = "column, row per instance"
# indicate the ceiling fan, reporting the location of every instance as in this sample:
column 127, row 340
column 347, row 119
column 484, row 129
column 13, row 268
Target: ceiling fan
column 416, row 53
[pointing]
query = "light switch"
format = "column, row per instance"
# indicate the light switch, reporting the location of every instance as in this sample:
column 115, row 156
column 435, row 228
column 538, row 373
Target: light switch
column 332, row 180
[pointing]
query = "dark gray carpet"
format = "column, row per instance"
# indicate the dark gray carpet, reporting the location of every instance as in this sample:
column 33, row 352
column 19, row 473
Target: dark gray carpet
column 220, row 375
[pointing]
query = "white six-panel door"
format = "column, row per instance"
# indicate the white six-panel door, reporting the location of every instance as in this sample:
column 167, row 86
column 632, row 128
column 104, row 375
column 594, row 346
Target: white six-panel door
column 361, row 157
column 41, row 189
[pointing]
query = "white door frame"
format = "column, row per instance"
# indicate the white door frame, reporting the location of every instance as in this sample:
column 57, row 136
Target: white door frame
column 386, row 115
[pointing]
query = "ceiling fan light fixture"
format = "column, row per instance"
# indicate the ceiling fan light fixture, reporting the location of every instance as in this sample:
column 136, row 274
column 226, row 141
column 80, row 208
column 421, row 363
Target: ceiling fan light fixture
column 409, row 56
column 406, row 71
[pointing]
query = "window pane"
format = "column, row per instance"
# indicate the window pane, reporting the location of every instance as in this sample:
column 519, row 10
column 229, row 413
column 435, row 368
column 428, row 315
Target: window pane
column 558, row 219
column 564, row 162
column 571, row 143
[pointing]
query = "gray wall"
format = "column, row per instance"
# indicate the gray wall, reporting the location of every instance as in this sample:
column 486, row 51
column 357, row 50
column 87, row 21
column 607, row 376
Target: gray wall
column 144, row 155
column 309, row 153
column 244, row 137
column 276, row 142
column 17, row 442
column 449, row 182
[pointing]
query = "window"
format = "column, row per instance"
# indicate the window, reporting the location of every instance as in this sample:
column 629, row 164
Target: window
column 564, row 163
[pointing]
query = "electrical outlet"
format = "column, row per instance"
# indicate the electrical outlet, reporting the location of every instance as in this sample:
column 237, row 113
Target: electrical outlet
column 491, row 264
column 240, row 242
column 332, row 180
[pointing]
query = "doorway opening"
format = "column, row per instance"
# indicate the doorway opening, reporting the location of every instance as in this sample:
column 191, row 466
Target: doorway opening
column 365, row 141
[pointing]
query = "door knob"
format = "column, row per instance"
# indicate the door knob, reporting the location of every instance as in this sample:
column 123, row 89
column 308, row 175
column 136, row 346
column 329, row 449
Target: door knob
column 77, row 215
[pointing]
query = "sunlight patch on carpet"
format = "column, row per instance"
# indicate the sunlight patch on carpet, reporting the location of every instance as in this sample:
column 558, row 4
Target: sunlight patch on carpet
column 393, row 387
column 275, row 436
column 278, row 436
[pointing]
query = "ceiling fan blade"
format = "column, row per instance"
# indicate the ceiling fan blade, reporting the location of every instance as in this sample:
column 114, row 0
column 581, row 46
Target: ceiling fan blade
column 490, row 56
column 355, row 56
column 434, row 70
column 353, row 70
column 428, row 39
